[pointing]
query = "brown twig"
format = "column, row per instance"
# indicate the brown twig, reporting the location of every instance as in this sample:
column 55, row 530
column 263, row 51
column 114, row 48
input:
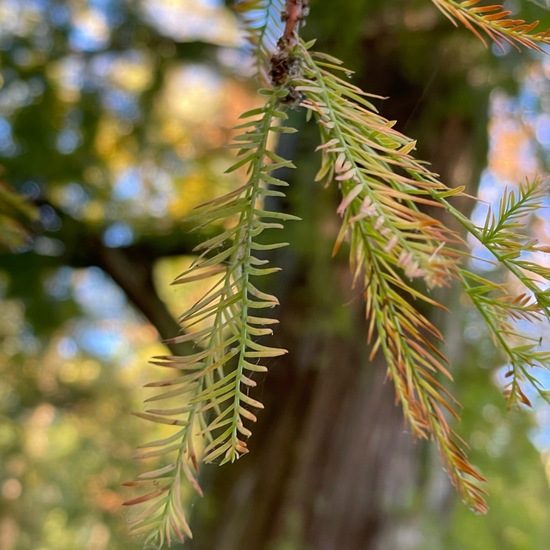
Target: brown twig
column 295, row 12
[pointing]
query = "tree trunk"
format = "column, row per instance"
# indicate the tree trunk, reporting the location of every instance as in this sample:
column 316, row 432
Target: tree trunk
column 331, row 463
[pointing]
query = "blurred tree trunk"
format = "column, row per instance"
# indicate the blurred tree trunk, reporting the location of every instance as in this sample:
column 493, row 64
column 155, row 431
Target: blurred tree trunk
column 330, row 455
column 332, row 465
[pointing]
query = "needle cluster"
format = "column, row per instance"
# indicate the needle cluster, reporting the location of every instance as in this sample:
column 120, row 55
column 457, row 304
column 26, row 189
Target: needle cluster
column 398, row 253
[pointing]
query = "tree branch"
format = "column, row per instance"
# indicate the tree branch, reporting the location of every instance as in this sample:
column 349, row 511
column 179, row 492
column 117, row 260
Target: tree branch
column 295, row 13
column 130, row 267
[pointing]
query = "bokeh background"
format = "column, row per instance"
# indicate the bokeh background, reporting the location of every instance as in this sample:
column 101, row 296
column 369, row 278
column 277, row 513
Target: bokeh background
column 114, row 115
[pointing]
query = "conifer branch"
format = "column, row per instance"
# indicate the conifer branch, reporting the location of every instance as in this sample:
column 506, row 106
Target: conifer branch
column 263, row 27
column 501, row 311
column 494, row 21
column 397, row 253
column 391, row 241
column 507, row 247
column 214, row 379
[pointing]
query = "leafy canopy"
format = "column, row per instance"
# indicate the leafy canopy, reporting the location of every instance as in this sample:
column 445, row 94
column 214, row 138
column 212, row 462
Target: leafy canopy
column 398, row 252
